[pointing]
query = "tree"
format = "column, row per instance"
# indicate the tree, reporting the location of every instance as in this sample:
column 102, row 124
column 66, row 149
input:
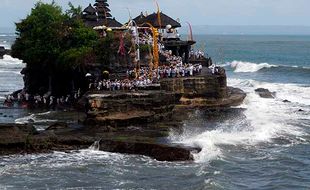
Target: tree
column 53, row 44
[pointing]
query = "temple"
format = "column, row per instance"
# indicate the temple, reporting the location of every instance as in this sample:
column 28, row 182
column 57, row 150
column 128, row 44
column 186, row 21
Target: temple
column 99, row 14
column 169, row 35
column 99, row 17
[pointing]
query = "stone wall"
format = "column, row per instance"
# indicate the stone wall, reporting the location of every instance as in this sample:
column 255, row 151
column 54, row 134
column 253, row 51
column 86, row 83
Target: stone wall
column 208, row 86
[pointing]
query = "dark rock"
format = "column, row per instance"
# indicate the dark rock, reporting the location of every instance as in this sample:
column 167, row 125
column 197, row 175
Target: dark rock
column 300, row 110
column 58, row 126
column 265, row 93
column 156, row 151
column 59, row 137
column 2, row 52
column 286, row 101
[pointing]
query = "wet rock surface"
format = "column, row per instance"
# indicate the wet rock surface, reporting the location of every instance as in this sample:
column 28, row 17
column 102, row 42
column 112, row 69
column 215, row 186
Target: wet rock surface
column 3, row 51
column 21, row 139
column 265, row 93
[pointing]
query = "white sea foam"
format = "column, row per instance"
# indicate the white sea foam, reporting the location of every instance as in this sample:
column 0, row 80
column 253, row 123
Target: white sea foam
column 248, row 67
column 8, row 60
column 265, row 119
column 12, row 72
column 34, row 118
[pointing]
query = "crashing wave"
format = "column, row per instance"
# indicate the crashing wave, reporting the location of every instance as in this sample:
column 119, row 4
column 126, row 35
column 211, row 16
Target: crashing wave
column 248, row 67
column 263, row 121
column 7, row 59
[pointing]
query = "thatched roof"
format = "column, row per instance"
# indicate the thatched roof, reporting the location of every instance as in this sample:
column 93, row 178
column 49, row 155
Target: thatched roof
column 90, row 9
column 109, row 22
column 165, row 20
column 140, row 19
column 101, row 4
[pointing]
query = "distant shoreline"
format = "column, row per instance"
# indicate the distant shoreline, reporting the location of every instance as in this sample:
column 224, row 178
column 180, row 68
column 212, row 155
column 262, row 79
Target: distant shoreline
column 272, row 30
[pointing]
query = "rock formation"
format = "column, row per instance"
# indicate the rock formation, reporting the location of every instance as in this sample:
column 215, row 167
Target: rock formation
column 60, row 137
column 265, row 93
column 129, row 108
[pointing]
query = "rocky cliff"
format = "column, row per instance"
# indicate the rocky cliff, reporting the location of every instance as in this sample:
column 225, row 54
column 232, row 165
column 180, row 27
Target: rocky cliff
column 129, row 108
column 206, row 90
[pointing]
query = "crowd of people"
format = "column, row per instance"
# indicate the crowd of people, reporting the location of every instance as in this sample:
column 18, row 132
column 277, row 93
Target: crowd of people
column 196, row 54
column 145, row 77
column 27, row 100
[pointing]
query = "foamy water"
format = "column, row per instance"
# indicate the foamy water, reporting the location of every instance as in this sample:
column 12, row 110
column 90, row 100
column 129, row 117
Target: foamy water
column 265, row 120
column 240, row 66
column 262, row 144
column 10, row 77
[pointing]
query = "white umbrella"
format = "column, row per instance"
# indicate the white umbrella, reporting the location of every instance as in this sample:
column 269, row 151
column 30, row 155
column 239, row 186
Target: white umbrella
column 100, row 27
column 88, row 75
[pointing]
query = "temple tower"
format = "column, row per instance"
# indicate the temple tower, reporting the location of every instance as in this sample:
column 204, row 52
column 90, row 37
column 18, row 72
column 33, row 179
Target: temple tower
column 103, row 9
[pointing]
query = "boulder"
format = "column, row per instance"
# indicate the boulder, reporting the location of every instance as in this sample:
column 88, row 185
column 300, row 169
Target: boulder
column 2, row 52
column 265, row 93
column 156, row 151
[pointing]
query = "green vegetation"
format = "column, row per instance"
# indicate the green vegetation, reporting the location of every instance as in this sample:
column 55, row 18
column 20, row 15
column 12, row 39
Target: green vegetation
column 54, row 45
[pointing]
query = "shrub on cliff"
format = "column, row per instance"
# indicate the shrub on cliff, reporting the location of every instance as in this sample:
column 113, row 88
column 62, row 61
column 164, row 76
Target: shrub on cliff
column 54, row 45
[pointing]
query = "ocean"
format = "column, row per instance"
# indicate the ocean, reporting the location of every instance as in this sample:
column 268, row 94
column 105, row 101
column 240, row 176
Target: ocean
column 261, row 144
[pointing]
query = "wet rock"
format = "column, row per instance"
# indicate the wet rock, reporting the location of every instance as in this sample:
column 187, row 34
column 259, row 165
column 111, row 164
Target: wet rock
column 264, row 93
column 58, row 126
column 2, row 52
column 156, row 151
column 60, row 137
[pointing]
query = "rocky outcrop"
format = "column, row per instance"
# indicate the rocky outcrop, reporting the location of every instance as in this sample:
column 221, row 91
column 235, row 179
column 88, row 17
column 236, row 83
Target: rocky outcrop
column 207, row 90
column 234, row 98
column 212, row 86
column 4, row 51
column 265, row 93
column 129, row 108
column 61, row 137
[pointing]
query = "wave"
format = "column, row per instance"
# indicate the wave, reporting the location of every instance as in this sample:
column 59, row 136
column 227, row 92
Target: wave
column 35, row 118
column 249, row 67
column 262, row 121
column 10, row 59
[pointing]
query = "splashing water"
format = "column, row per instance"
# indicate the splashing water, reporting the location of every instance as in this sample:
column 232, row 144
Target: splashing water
column 95, row 146
column 264, row 120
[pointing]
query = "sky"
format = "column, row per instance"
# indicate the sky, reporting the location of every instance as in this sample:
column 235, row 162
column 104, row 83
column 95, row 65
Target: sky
column 197, row 12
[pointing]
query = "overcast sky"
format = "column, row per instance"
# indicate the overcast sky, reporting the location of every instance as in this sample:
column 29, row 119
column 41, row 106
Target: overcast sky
column 197, row 12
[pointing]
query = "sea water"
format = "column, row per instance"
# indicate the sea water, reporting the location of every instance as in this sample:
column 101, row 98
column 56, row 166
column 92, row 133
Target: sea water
column 261, row 144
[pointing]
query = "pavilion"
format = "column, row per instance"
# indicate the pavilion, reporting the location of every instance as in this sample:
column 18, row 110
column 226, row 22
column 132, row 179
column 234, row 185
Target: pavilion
column 99, row 15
